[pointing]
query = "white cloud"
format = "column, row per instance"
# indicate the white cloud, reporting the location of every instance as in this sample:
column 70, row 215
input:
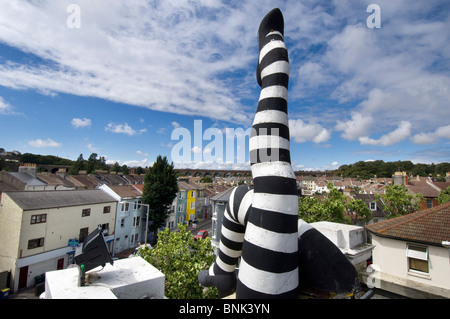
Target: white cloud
column 196, row 150
column 302, row 132
column 433, row 137
column 140, row 153
column 91, row 147
column 123, row 129
column 177, row 57
column 384, row 76
column 5, row 108
column 175, row 124
column 164, row 56
column 398, row 135
column 215, row 166
column 161, row 130
column 355, row 128
column 44, row 143
column 76, row 122
column 131, row 163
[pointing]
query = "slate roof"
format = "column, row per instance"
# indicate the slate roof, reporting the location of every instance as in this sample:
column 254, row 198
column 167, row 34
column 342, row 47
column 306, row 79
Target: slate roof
column 54, row 180
column 430, row 226
column 224, row 196
column 126, row 191
column 422, row 187
column 33, row 200
column 368, row 198
column 188, row 186
column 28, row 179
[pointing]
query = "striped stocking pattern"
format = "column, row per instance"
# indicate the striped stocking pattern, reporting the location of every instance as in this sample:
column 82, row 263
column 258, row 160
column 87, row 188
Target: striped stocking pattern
column 261, row 224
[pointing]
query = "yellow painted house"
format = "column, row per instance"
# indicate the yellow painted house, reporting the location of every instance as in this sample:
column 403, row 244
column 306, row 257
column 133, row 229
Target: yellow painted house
column 190, row 207
column 190, row 199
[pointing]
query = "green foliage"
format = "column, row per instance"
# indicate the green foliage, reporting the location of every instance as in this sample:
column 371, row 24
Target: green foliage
column 397, row 201
column 92, row 164
column 206, row 179
column 444, row 196
column 43, row 159
column 181, row 258
column 366, row 170
column 332, row 208
column 160, row 188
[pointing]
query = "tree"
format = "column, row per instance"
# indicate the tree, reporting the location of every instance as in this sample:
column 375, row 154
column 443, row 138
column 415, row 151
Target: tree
column 335, row 207
column 444, row 196
column 91, row 163
column 77, row 165
column 125, row 169
column 397, row 202
column 206, row 179
column 360, row 210
column 180, row 259
column 160, row 188
column 116, row 167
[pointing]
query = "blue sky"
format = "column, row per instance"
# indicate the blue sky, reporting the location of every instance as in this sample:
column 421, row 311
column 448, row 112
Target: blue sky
column 117, row 78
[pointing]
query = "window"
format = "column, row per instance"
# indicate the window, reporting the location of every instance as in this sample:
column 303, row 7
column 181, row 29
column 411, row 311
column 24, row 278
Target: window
column 37, row 219
column 136, row 221
column 105, row 229
column 192, row 205
column 180, row 208
column 137, row 204
column 181, row 195
column 125, row 207
column 417, row 258
column 106, row 209
column 86, row 212
column 35, row 243
column 373, row 206
column 122, row 222
column 429, row 203
column 83, row 234
column 192, row 194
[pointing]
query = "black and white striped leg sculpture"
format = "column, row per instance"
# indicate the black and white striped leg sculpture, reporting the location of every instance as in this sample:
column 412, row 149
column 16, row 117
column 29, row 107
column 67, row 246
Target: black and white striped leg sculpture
column 269, row 265
column 261, row 225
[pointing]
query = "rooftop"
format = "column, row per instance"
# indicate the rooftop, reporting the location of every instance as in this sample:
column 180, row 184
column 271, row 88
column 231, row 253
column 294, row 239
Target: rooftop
column 126, row 191
column 430, row 226
column 422, row 187
column 33, row 200
column 223, row 196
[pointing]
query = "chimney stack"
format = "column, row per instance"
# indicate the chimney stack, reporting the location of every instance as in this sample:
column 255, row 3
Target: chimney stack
column 400, row 178
column 28, row 168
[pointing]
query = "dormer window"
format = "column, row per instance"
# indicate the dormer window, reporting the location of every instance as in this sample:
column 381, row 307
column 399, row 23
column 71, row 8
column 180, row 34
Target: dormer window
column 373, row 206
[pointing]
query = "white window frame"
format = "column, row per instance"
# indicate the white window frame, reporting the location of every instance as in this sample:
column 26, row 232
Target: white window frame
column 417, row 254
column 125, row 207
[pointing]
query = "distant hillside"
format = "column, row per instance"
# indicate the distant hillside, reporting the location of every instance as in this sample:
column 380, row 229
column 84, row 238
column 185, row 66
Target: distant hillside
column 380, row 168
column 361, row 169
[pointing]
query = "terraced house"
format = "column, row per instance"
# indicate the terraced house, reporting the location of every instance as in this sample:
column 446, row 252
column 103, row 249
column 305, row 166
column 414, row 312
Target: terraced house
column 412, row 253
column 191, row 201
column 40, row 230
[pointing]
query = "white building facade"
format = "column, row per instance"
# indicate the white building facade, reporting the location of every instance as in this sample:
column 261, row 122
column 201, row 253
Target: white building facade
column 40, row 230
column 130, row 228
